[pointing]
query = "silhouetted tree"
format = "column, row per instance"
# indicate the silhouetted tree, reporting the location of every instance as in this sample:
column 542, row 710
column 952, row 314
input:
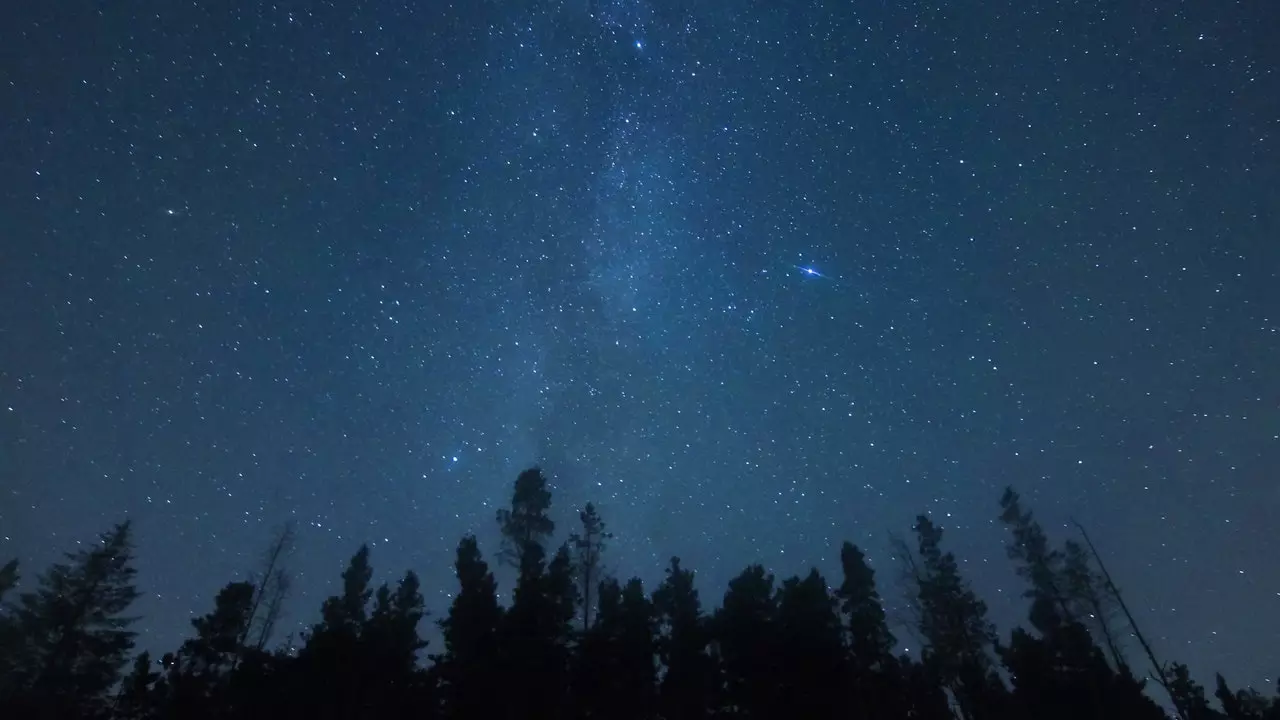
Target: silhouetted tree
column 71, row 634
column 332, row 670
column 1158, row 669
column 689, row 688
column 137, row 698
column 588, row 547
column 953, row 621
column 469, row 666
column 1036, row 562
column 746, row 636
column 271, row 587
column 1189, row 695
column 1093, row 605
column 810, row 653
column 537, row 630
column 8, row 577
column 10, row 637
column 1062, row 673
column 1246, row 704
column 526, row 523
column 616, row 671
column 197, row 676
column 870, row 642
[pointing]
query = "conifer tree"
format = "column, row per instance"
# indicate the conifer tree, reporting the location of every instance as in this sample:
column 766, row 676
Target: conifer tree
column 953, row 621
column 470, row 663
column 332, row 666
column 689, row 688
column 1189, row 695
column 10, row 638
column 8, row 577
column 588, row 547
column 391, row 632
column 1036, row 562
column 72, row 634
column 1094, row 606
column 1246, row 704
column 869, row 640
column 137, row 699
column 746, row 636
column 197, row 676
column 536, row 631
column 526, row 523
column 810, row 653
column 615, row 674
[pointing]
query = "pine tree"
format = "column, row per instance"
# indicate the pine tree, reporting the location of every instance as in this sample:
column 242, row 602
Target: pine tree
column 810, row 653
column 1189, row 695
column 870, row 642
column 137, row 698
column 588, row 546
column 389, row 646
column 346, row 613
column 615, row 675
column 953, row 622
column 526, row 523
column 746, row 636
column 332, row 668
column 8, row 577
column 1093, row 605
column 73, row 634
column 10, row 637
column 689, row 688
column 1037, row 563
column 1062, row 673
column 470, row 660
column 392, row 628
column 197, row 677
column 1246, row 704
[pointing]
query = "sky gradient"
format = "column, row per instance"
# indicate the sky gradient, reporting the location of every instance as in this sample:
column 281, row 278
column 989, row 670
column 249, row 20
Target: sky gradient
column 755, row 278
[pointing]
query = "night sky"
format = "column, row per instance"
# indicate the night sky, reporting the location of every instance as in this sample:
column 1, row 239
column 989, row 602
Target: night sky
column 755, row 277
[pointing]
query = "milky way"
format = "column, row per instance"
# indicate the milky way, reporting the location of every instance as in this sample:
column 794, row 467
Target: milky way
column 756, row 278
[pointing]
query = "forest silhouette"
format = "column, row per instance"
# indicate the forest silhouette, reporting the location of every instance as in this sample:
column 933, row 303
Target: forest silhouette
column 577, row 644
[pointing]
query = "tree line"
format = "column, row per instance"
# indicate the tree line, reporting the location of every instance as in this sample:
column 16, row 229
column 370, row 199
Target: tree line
column 577, row 644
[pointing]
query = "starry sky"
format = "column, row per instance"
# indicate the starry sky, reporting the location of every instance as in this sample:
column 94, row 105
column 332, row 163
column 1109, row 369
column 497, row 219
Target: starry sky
column 754, row 277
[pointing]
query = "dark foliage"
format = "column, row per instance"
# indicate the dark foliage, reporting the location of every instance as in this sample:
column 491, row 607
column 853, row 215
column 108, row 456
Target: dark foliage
column 789, row 648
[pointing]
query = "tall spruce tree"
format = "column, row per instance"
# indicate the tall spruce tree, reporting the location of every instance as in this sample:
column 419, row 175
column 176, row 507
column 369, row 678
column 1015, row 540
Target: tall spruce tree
column 746, row 636
column 469, row 667
column 331, row 670
column 615, row 673
column 689, row 688
column 71, row 634
column 869, row 640
column 810, row 653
